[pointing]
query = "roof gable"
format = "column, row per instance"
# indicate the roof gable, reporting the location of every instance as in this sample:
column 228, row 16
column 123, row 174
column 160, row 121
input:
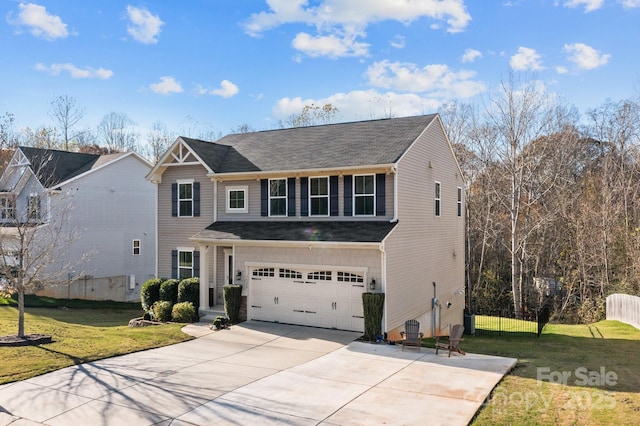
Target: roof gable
column 52, row 167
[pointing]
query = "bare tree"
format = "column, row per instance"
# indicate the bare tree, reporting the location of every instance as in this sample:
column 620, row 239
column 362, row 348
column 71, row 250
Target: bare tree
column 312, row 115
column 115, row 131
column 36, row 231
column 159, row 139
column 67, row 114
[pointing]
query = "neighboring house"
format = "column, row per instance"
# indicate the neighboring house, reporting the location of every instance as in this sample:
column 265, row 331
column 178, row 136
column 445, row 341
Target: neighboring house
column 110, row 207
column 307, row 219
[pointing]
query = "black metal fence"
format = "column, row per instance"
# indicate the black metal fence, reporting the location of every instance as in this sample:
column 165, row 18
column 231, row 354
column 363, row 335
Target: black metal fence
column 504, row 323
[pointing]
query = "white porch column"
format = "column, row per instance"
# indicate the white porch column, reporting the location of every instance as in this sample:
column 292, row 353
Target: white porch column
column 204, row 277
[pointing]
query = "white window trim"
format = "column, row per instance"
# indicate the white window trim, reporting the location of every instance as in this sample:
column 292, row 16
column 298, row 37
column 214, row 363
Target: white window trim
column 437, row 199
column 133, row 248
column 185, row 182
column 364, row 195
column 7, row 207
column 185, row 250
column 38, row 209
column 245, row 209
column 459, row 203
column 328, row 196
column 286, row 197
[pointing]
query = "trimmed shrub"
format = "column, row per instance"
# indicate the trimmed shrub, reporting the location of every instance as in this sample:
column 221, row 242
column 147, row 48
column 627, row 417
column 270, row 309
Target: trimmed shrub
column 150, row 293
column 162, row 311
column 232, row 300
column 372, row 304
column 184, row 312
column 189, row 291
column 169, row 291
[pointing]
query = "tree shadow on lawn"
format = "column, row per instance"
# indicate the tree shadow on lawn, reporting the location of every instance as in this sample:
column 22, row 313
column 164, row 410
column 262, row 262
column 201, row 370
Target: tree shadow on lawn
column 593, row 361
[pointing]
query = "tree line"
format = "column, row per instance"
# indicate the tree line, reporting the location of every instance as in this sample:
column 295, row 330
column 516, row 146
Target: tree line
column 553, row 201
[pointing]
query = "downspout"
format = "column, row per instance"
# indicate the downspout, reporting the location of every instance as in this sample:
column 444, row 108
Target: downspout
column 383, row 285
column 434, row 305
column 394, row 170
column 215, row 201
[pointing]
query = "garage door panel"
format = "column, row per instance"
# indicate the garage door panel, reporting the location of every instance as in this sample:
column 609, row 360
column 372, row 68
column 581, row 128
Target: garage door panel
column 319, row 297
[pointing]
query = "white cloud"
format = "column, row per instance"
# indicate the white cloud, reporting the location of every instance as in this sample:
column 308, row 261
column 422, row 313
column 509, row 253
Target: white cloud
column 345, row 20
column 526, row 59
column 75, row 72
column 362, row 105
column 399, row 42
column 630, row 4
column 585, row 56
column 226, row 90
column 166, row 86
column 438, row 80
column 331, row 46
column 471, row 55
column 144, row 26
column 589, row 5
column 41, row 23
column 561, row 70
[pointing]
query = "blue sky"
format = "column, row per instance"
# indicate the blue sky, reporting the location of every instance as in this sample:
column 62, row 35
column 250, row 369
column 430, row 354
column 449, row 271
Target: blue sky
column 212, row 65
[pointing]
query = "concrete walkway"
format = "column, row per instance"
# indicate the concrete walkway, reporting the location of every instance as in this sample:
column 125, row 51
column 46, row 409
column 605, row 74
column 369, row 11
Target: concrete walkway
column 260, row 373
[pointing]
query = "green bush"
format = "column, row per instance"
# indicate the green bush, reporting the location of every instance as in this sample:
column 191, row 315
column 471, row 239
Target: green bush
column 150, row 293
column 162, row 311
column 232, row 300
column 189, row 291
column 220, row 322
column 184, row 312
column 373, row 304
column 169, row 291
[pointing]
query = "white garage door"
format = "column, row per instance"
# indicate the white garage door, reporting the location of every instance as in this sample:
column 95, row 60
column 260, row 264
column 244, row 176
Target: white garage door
column 319, row 298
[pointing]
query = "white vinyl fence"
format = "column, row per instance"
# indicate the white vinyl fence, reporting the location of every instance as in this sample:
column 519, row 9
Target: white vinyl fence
column 624, row 308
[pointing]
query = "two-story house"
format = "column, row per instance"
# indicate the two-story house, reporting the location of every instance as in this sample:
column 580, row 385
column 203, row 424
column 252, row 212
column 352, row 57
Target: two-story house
column 307, row 219
column 101, row 205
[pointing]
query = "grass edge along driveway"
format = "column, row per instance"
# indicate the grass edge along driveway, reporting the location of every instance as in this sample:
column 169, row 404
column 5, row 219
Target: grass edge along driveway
column 79, row 335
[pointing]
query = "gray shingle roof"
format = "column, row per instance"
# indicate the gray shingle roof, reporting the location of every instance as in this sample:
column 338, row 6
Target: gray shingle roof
column 322, row 231
column 52, row 167
column 342, row 145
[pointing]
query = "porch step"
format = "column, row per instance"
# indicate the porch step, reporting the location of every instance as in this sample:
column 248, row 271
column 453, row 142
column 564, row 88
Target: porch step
column 211, row 313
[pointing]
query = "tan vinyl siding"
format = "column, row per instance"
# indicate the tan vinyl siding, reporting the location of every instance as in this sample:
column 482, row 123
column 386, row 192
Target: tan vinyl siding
column 423, row 248
column 175, row 231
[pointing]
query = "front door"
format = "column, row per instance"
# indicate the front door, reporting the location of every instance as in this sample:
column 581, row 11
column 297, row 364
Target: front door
column 228, row 266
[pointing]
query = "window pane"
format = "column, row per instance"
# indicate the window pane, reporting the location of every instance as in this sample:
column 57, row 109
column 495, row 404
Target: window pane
column 185, row 273
column 278, row 188
column 319, row 206
column 186, row 208
column 278, row 207
column 186, row 259
column 437, row 207
column 364, row 184
column 185, row 191
column 364, row 205
column 236, row 199
column 319, row 186
column 437, row 190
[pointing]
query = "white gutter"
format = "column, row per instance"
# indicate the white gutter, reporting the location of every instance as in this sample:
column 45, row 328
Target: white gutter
column 301, row 172
column 394, row 170
column 280, row 243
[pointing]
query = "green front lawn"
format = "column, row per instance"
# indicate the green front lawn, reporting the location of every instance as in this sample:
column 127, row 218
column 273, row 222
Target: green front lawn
column 80, row 334
column 597, row 365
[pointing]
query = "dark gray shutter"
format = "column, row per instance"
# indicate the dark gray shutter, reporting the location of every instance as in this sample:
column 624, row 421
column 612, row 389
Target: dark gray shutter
column 291, row 196
column 196, row 198
column 196, row 264
column 264, row 197
column 304, row 196
column 348, row 195
column 174, row 199
column 333, row 196
column 174, row 264
column 380, row 194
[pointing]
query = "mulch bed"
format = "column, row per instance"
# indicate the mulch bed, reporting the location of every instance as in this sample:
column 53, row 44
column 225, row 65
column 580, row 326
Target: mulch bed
column 26, row 340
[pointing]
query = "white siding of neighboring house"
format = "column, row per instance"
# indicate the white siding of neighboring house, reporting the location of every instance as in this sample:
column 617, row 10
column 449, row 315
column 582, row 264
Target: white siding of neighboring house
column 423, row 248
column 111, row 207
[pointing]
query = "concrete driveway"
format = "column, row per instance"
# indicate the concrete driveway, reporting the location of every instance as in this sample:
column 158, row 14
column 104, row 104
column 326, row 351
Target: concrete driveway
column 260, row 373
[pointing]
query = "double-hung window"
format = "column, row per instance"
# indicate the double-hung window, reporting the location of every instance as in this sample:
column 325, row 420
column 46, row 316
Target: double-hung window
column 7, row 208
column 364, row 195
column 185, row 264
column 319, row 196
column 33, row 207
column 185, row 199
column 459, row 202
column 136, row 247
column 437, row 199
column 277, row 197
column 237, row 199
